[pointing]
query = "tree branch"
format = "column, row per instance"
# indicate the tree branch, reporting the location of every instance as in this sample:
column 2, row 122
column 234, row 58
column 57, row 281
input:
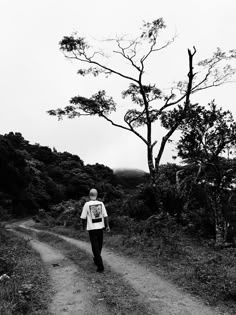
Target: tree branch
column 163, row 144
column 135, row 118
column 131, row 129
column 88, row 60
column 123, row 54
column 152, row 49
column 187, row 102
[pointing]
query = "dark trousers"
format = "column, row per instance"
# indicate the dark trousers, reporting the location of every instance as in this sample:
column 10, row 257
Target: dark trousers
column 96, row 239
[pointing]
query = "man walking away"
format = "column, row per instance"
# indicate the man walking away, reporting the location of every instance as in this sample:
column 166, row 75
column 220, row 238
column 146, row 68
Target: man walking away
column 94, row 216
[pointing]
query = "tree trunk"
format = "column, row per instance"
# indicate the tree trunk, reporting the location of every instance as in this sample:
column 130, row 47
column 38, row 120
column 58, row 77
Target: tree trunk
column 221, row 229
column 151, row 167
column 219, row 221
column 219, row 235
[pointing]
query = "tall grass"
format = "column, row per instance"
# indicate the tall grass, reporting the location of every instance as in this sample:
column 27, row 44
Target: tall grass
column 24, row 292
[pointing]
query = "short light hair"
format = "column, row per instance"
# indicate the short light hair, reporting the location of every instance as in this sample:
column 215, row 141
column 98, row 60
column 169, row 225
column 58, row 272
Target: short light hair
column 93, row 192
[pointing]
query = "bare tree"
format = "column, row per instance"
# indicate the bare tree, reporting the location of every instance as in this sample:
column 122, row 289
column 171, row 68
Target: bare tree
column 151, row 104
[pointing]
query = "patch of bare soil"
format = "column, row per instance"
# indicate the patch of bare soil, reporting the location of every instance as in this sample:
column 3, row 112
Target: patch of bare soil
column 162, row 296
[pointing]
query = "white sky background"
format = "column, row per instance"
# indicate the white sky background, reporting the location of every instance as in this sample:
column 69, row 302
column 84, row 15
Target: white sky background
column 35, row 76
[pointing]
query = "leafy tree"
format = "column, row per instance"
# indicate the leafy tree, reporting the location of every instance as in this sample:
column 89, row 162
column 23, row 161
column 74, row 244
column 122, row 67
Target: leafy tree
column 42, row 153
column 17, row 140
column 13, row 174
column 33, row 176
column 150, row 104
column 208, row 134
column 100, row 172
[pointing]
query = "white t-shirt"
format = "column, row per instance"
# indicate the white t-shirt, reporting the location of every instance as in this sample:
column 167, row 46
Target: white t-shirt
column 94, row 211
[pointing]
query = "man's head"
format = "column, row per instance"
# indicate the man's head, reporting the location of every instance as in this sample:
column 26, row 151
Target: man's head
column 93, row 194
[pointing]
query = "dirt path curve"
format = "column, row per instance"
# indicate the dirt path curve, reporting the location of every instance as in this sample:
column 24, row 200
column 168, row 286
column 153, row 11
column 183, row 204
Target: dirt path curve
column 72, row 296
column 163, row 297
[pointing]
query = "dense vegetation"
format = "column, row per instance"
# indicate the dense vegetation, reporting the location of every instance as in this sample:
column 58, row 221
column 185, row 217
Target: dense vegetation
column 36, row 180
column 35, row 177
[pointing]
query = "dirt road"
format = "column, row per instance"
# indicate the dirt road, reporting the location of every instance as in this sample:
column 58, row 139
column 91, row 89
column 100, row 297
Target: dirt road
column 71, row 293
column 73, row 297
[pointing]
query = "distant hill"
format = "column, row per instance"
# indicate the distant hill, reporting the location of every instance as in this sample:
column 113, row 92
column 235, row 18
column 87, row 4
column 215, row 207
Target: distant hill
column 129, row 171
column 130, row 178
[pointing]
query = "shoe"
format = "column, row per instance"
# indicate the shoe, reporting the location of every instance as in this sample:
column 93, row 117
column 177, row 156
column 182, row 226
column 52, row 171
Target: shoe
column 100, row 270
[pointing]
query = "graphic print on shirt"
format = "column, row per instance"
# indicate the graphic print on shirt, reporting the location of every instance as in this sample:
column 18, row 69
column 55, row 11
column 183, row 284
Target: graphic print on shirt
column 96, row 213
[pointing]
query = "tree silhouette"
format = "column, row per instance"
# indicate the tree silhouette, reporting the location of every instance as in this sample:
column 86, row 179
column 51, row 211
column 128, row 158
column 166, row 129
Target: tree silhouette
column 150, row 104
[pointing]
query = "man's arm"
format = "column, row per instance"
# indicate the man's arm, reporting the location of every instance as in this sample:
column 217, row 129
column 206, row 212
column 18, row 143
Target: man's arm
column 105, row 216
column 107, row 224
column 84, row 216
column 84, row 223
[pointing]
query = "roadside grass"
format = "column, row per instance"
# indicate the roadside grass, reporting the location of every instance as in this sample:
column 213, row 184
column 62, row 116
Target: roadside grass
column 190, row 262
column 26, row 289
column 111, row 289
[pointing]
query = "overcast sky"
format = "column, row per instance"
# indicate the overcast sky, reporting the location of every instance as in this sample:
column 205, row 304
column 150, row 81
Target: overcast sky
column 35, row 76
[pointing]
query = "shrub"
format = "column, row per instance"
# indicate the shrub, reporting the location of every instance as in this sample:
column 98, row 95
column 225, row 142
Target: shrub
column 143, row 203
column 4, row 214
column 136, row 208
